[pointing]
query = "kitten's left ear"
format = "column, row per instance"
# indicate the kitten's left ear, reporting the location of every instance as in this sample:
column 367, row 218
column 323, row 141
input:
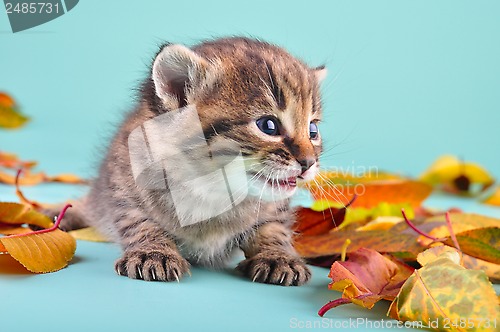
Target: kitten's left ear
column 320, row 73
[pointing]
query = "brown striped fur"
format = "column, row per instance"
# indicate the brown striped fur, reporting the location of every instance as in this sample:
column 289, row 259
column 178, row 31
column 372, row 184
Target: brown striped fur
column 232, row 82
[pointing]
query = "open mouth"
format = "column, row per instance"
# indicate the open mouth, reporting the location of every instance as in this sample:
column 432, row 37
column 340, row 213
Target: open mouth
column 289, row 183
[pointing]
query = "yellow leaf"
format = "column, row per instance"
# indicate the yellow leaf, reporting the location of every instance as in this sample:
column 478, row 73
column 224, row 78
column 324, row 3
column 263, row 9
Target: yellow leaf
column 88, row 234
column 494, row 198
column 14, row 230
column 18, row 214
column 10, row 118
column 381, row 223
column 447, row 169
column 41, row 253
column 444, row 292
column 492, row 270
column 461, row 222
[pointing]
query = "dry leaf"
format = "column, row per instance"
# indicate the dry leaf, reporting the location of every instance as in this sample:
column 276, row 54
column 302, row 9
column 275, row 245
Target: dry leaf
column 380, row 224
column 461, row 222
column 456, row 176
column 330, row 244
column 88, row 234
column 11, row 161
column 494, row 198
column 482, row 243
column 371, row 190
column 444, row 292
column 9, row 113
column 15, row 214
column 366, row 278
column 41, row 251
column 492, row 270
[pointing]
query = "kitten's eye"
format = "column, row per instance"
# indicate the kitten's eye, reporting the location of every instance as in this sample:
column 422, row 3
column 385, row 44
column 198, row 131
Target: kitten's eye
column 313, row 130
column 268, row 125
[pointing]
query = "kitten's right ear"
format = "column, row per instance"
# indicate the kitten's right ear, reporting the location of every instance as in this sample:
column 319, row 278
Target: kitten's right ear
column 176, row 70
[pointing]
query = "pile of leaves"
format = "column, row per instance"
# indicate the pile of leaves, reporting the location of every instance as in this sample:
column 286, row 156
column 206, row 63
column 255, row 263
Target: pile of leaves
column 434, row 266
column 26, row 235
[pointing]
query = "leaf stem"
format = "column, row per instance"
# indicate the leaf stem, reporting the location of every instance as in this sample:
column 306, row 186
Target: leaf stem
column 412, row 226
column 332, row 304
column 343, row 252
column 47, row 230
column 353, row 199
column 452, row 233
column 20, row 194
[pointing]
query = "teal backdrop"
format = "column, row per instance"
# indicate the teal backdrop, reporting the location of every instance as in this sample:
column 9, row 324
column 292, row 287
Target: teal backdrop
column 408, row 81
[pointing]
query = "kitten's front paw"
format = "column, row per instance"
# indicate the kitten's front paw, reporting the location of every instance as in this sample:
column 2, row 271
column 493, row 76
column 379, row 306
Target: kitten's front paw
column 284, row 270
column 152, row 265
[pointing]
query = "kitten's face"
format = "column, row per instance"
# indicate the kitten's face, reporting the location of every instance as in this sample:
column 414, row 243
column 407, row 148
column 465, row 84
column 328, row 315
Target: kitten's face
column 267, row 104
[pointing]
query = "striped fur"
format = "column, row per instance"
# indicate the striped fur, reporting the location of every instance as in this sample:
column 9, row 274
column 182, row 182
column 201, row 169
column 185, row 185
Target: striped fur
column 231, row 82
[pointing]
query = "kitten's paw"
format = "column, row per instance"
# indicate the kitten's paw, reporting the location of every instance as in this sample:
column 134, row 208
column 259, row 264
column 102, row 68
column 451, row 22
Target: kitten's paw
column 284, row 270
column 152, row 265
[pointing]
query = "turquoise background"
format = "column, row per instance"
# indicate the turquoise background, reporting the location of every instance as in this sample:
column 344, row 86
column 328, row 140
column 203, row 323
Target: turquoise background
column 408, row 81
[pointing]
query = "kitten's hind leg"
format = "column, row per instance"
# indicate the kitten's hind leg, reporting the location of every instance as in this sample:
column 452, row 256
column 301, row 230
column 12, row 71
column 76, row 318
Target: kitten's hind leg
column 272, row 259
column 149, row 252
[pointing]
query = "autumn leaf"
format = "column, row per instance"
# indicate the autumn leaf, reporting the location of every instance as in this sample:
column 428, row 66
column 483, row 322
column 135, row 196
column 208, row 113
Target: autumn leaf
column 454, row 175
column 444, row 291
column 310, row 222
column 41, row 251
column 493, row 198
column 330, row 244
column 88, row 234
column 366, row 278
column 12, row 161
column 492, row 270
column 314, row 222
column 15, row 214
column 353, row 215
column 10, row 164
column 10, row 117
column 482, row 243
column 372, row 189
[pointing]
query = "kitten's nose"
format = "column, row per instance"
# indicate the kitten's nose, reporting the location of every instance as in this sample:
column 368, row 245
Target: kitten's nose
column 305, row 164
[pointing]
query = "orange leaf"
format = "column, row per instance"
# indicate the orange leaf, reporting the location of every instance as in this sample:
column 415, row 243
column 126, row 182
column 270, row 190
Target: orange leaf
column 366, row 278
column 330, row 244
column 371, row 191
column 10, row 160
column 28, row 179
column 6, row 100
column 66, row 178
column 43, row 251
column 18, row 214
column 494, row 199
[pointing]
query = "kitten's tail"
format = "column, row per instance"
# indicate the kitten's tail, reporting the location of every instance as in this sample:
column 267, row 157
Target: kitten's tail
column 74, row 218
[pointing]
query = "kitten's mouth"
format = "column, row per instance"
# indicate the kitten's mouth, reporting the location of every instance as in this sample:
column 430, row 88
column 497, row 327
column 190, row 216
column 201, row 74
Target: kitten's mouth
column 283, row 184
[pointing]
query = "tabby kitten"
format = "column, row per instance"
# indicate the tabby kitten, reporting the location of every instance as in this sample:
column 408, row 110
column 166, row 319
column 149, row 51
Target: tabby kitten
column 245, row 92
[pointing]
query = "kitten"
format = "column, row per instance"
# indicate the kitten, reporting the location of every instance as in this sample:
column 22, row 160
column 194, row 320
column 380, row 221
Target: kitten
column 252, row 104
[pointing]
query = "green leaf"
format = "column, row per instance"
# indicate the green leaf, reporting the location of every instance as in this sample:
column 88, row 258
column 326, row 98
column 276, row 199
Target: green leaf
column 482, row 243
column 444, row 292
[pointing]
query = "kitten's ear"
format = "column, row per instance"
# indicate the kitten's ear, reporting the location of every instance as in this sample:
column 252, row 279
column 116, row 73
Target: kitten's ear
column 320, row 73
column 177, row 69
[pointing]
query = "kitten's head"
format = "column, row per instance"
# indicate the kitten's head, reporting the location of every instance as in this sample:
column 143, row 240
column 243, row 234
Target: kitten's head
column 253, row 95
